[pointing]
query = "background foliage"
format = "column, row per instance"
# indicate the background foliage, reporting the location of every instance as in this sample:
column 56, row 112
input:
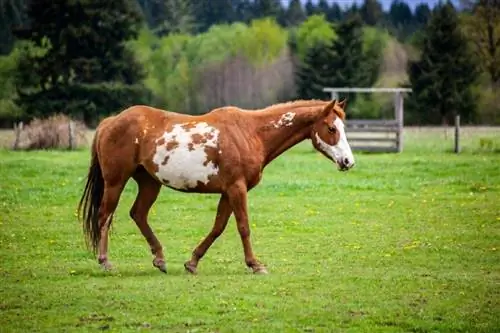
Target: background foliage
column 190, row 57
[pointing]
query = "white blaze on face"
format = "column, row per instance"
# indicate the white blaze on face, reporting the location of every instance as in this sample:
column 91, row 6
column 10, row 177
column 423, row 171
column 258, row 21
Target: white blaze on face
column 186, row 164
column 341, row 151
column 285, row 120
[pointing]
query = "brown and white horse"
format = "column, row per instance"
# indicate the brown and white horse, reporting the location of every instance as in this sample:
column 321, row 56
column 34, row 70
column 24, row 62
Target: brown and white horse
column 224, row 151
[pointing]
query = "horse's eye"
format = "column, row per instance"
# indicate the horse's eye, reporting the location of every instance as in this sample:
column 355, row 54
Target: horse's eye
column 332, row 129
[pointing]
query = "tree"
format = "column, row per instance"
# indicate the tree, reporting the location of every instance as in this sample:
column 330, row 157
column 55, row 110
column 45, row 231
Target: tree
column 210, row 12
column 443, row 77
column 323, row 7
column 400, row 13
column 268, row 8
column 352, row 11
column 295, row 14
column 348, row 65
column 311, row 75
column 338, row 61
column 81, row 64
column 335, row 13
column 371, row 12
column 178, row 18
column 422, row 14
column 483, row 29
column 310, row 8
column 243, row 10
column 12, row 14
column 316, row 29
column 401, row 19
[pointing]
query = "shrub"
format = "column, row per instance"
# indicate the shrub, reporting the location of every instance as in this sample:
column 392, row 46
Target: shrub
column 55, row 132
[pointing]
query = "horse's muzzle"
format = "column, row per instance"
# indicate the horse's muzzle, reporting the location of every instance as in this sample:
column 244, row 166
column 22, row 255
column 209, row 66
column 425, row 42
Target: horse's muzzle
column 345, row 164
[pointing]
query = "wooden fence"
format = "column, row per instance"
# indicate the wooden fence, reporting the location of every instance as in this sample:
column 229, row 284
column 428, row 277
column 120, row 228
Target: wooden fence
column 375, row 135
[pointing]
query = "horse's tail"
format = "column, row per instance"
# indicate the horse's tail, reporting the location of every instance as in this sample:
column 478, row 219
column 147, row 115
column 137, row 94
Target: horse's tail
column 88, row 208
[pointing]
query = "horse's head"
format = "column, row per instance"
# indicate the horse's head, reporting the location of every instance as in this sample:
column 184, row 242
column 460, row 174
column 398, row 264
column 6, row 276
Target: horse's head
column 328, row 135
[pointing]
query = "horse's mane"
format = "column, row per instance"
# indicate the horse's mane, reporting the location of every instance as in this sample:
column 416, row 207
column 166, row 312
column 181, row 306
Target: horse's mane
column 303, row 103
column 297, row 103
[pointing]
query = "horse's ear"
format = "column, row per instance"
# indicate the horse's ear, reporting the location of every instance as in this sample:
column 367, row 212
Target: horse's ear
column 343, row 103
column 330, row 107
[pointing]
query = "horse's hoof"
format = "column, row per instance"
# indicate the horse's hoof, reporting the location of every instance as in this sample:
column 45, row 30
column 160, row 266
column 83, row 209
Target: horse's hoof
column 190, row 267
column 106, row 266
column 160, row 264
column 260, row 270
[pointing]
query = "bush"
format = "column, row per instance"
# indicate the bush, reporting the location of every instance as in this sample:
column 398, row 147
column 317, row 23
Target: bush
column 51, row 133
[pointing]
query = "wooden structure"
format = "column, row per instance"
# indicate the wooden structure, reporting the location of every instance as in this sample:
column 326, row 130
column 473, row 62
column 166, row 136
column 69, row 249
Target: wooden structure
column 384, row 135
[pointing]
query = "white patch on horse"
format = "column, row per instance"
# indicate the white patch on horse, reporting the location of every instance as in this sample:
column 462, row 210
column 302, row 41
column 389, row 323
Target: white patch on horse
column 285, row 120
column 186, row 164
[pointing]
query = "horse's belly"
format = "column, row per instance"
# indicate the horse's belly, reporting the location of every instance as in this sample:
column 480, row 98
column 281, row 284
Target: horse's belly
column 186, row 158
column 186, row 171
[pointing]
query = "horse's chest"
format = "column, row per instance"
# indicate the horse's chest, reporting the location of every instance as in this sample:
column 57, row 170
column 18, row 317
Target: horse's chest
column 186, row 155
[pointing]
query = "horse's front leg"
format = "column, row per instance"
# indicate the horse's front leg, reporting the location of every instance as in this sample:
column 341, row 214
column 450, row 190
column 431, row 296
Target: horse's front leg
column 237, row 195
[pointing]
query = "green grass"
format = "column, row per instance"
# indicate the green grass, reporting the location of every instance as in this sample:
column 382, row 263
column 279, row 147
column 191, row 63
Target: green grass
column 402, row 243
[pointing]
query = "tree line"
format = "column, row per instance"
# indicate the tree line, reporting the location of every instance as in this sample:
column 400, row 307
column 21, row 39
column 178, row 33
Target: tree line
column 103, row 55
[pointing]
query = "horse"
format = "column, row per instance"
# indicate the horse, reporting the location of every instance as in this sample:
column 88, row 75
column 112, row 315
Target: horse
column 223, row 151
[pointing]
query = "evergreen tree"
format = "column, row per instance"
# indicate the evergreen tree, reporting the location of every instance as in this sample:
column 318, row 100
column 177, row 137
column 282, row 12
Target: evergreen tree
column 209, row 12
column 341, row 63
column 179, row 17
column 84, row 67
column 422, row 14
column 335, row 13
column 12, row 14
column 348, row 65
column 371, row 12
column 401, row 19
column 443, row 77
column 243, row 10
column 400, row 13
column 352, row 11
column 323, row 7
column 310, row 8
column 268, row 8
column 295, row 14
column 312, row 75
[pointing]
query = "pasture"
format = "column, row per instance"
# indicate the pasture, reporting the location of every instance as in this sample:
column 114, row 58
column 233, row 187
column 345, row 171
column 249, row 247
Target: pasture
column 404, row 242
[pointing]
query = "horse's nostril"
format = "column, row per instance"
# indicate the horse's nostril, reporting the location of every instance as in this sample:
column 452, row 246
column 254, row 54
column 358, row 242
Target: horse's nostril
column 346, row 161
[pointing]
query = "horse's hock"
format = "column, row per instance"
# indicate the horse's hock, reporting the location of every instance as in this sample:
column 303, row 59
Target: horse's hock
column 381, row 135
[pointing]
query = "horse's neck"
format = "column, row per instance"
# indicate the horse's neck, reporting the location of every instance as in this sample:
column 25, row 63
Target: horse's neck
column 283, row 129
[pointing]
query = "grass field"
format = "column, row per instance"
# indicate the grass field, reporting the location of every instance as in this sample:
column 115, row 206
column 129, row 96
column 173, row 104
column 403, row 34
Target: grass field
column 402, row 243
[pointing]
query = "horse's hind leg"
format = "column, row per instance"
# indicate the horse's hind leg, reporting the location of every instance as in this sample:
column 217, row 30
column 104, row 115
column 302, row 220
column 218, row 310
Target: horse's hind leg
column 223, row 213
column 146, row 196
column 110, row 199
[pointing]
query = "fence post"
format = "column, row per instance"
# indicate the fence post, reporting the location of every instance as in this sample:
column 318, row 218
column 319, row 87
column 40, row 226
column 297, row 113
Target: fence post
column 17, row 131
column 398, row 113
column 457, row 134
column 71, row 134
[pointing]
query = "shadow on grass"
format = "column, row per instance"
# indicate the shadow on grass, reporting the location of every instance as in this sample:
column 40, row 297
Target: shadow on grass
column 177, row 271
